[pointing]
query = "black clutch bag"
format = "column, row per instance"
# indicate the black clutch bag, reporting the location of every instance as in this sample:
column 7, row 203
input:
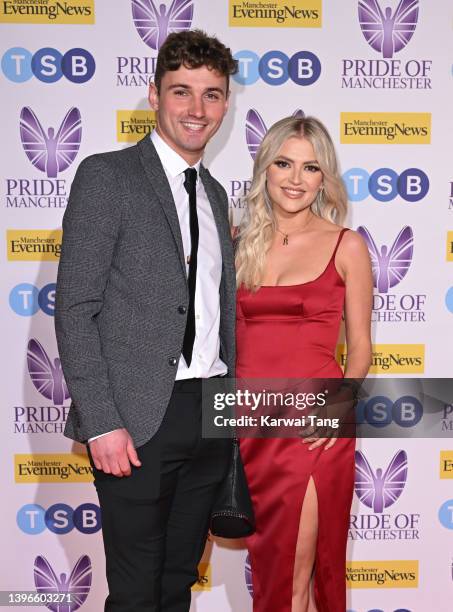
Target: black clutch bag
column 232, row 515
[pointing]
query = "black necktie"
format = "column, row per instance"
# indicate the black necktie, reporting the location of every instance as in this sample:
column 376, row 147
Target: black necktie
column 190, row 185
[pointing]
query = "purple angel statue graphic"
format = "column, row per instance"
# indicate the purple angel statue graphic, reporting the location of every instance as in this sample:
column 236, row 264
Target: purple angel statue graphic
column 380, row 490
column 248, row 576
column 46, row 376
column 77, row 585
column 386, row 32
column 154, row 25
column 389, row 266
column 51, row 153
column 255, row 129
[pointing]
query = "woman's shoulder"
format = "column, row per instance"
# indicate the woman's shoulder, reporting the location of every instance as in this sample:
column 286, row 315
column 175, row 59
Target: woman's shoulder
column 352, row 245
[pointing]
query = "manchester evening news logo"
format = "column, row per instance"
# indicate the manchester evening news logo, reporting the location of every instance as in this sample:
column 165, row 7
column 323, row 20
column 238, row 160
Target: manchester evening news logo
column 446, row 464
column 275, row 14
column 382, row 574
column 450, row 246
column 76, row 585
column 153, row 21
column 385, row 128
column 133, row 125
column 378, row 488
column 392, row 358
column 48, row 12
column 52, row 467
column 387, row 27
column 204, row 580
column 33, row 245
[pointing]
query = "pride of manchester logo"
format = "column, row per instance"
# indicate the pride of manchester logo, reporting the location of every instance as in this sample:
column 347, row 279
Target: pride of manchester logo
column 256, row 130
column 388, row 30
column 390, row 263
column 154, row 23
column 381, row 488
column 75, row 586
column 54, row 151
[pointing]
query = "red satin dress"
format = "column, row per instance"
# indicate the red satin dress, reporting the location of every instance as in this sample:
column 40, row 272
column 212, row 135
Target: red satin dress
column 291, row 332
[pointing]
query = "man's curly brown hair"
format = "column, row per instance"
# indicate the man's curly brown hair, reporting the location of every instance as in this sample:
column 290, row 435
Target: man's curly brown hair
column 193, row 49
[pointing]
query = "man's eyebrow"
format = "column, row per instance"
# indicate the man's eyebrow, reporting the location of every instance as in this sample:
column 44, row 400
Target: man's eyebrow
column 185, row 86
column 219, row 89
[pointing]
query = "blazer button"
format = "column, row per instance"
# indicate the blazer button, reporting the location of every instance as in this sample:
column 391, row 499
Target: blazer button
column 172, row 361
column 182, row 309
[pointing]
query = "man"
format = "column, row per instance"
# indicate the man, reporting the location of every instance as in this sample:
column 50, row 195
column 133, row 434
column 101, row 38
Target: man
column 145, row 310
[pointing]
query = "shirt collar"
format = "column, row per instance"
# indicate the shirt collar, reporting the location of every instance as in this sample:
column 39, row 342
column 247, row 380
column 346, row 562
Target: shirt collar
column 172, row 162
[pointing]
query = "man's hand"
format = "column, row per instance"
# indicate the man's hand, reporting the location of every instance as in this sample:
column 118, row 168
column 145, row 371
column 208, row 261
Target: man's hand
column 114, row 453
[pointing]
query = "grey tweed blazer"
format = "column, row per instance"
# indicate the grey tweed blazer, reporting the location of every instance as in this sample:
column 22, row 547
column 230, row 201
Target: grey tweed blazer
column 121, row 281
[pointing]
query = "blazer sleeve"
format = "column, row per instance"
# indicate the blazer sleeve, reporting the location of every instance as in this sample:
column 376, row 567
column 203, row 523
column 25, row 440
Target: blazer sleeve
column 91, row 226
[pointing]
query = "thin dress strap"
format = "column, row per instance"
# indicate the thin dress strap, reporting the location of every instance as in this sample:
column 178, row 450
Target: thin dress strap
column 340, row 236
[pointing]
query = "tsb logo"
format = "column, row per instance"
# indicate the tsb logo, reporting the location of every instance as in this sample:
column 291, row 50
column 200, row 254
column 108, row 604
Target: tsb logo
column 26, row 299
column 48, row 65
column 446, row 514
column 275, row 68
column 59, row 518
column 380, row 610
column 384, row 184
column 380, row 411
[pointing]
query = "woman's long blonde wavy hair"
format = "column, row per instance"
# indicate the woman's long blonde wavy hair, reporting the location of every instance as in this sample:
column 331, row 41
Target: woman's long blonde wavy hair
column 258, row 223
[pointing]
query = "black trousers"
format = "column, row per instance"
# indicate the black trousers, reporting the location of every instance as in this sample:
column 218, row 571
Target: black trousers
column 155, row 522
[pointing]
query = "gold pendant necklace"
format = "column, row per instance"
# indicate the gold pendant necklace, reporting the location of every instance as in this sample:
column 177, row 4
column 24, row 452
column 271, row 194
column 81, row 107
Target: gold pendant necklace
column 285, row 237
column 286, row 234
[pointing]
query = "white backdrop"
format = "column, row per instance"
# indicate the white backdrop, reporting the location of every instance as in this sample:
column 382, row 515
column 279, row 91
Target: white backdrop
column 396, row 164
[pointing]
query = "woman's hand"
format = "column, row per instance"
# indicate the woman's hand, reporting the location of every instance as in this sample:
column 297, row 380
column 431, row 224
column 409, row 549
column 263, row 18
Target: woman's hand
column 333, row 421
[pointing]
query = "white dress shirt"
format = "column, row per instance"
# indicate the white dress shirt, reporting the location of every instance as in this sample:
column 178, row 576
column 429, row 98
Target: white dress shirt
column 205, row 357
column 206, row 361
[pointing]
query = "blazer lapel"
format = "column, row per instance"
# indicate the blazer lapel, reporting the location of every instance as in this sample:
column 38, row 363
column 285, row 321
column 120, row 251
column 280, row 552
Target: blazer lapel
column 156, row 175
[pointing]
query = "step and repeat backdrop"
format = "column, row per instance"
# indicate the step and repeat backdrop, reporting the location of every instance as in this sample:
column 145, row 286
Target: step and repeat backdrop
column 74, row 76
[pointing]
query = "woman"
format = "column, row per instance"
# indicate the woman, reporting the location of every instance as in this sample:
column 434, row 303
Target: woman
column 297, row 272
